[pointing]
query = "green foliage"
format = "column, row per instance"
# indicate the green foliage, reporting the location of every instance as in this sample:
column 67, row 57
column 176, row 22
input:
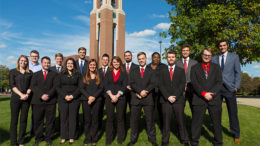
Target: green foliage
column 202, row 23
column 249, row 85
column 4, row 78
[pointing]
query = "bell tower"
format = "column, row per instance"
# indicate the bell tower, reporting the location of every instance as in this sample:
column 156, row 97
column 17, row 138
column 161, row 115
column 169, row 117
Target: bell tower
column 107, row 29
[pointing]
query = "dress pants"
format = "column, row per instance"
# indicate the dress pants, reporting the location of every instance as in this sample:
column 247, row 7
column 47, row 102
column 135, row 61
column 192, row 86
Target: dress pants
column 120, row 111
column 41, row 111
column 197, row 121
column 91, row 122
column 231, row 102
column 16, row 108
column 149, row 117
column 158, row 107
column 178, row 110
column 189, row 95
column 68, row 115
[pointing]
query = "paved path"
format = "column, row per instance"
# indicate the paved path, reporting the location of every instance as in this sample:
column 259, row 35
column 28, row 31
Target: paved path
column 249, row 101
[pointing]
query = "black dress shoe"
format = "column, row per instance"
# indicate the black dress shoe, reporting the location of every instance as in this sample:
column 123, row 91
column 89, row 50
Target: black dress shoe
column 164, row 144
column 155, row 144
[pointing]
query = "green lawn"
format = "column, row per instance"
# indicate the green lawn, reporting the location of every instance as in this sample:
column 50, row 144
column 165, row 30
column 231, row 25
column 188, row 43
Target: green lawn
column 249, row 123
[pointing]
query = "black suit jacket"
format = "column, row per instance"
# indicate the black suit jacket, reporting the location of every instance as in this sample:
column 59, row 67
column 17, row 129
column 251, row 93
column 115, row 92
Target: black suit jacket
column 40, row 86
column 53, row 68
column 148, row 82
column 68, row 85
column 91, row 89
column 101, row 73
column 85, row 67
column 212, row 84
column 132, row 67
column 114, row 87
column 174, row 87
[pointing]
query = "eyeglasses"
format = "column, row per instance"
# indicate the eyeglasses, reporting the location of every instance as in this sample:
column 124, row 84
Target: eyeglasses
column 205, row 55
column 34, row 56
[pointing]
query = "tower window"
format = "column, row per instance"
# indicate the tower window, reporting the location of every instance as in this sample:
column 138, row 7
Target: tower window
column 113, row 3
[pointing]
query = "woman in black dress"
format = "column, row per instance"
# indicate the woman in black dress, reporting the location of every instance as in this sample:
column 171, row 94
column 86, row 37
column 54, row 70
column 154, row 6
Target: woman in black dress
column 68, row 100
column 115, row 87
column 91, row 102
column 20, row 78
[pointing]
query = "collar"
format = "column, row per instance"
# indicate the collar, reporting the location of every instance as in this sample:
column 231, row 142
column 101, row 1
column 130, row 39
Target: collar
column 187, row 59
column 45, row 70
column 225, row 54
column 130, row 63
column 81, row 60
column 173, row 67
column 142, row 67
column 58, row 66
column 36, row 64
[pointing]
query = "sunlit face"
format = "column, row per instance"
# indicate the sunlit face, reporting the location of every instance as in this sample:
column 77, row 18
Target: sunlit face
column 223, row 47
column 58, row 60
column 23, row 62
column 142, row 60
column 46, row 63
column 115, row 64
column 82, row 54
column 34, row 57
column 206, row 56
column 156, row 59
column 185, row 52
column 171, row 58
column 92, row 66
column 128, row 57
column 70, row 65
column 105, row 61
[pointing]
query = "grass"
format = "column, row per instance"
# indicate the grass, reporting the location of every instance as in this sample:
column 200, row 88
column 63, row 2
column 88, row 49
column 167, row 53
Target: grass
column 249, row 118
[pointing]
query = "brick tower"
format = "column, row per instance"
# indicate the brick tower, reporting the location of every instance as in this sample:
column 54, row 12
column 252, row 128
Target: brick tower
column 107, row 29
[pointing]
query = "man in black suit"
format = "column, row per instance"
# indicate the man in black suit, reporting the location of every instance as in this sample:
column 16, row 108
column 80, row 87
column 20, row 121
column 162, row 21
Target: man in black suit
column 128, row 66
column 186, row 63
column 171, row 84
column 102, row 73
column 82, row 63
column 58, row 59
column 206, row 79
column 142, row 81
column 43, row 86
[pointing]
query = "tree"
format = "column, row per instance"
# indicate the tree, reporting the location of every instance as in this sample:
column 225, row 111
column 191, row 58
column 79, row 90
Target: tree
column 4, row 78
column 201, row 23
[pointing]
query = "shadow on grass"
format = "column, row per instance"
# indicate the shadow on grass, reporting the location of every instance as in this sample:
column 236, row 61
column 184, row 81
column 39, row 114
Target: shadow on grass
column 4, row 98
column 4, row 135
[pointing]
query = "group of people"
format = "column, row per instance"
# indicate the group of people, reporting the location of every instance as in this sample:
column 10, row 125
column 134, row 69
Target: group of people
column 151, row 87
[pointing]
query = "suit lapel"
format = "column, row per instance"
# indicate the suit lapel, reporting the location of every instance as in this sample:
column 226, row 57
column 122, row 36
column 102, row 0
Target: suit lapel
column 189, row 65
column 211, row 69
column 202, row 71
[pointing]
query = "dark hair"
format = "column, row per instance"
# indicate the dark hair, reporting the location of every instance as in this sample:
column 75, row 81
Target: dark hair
column 18, row 65
column 171, row 52
column 221, row 41
column 58, row 55
column 87, row 77
column 65, row 70
column 46, row 57
column 207, row 49
column 128, row 52
column 34, row 51
column 156, row 53
column 185, row 46
column 141, row 53
column 118, row 59
column 82, row 48
column 105, row 55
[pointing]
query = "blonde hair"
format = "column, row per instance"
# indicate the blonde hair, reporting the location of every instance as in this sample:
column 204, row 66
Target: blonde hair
column 18, row 65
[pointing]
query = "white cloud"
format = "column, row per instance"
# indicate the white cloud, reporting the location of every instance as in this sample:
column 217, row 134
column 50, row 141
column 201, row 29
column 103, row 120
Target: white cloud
column 11, row 60
column 144, row 33
column 159, row 15
column 2, row 46
column 256, row 66
column 163, row 26
column 84, row 19
column 88, row 1
column 5, row 23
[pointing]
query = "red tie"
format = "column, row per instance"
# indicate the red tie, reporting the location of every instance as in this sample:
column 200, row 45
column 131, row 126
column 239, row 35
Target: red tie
column 142, row 72
column 127, row 68
column 171, row 72
column 104, row 72
column 185, row 65
column 45, row 75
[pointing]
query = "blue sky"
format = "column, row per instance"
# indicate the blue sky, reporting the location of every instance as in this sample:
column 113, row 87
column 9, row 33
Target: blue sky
column 52, row 26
